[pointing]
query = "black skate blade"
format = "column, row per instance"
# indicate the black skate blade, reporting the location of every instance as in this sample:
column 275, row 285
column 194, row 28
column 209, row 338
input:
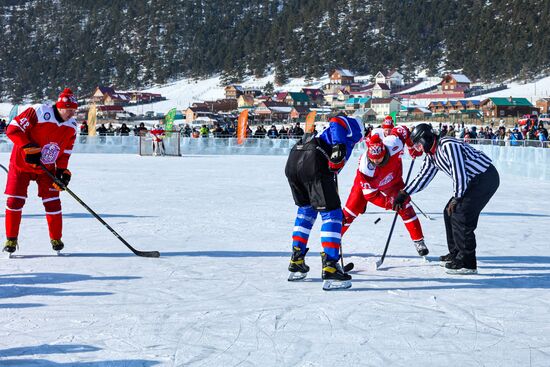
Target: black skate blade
column 334, row 285
column 296, row 276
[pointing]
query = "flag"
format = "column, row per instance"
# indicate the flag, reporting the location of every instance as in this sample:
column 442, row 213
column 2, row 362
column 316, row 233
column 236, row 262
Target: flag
column 169, row 121
column 310, row 122
column 92, row 117
column 394, row 117
column 13, row 113
column 241, row 126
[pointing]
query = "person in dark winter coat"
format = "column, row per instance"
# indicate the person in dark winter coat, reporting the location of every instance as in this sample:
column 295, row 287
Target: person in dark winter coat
column 272, row 132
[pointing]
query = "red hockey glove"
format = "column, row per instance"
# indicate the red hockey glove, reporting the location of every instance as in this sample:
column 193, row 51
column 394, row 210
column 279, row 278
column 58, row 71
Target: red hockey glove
column 414, row 153
column 389, row 202
column 63, row 176
column 403, row 133
column 400, row 200
column 33, row 153
column 346, row 221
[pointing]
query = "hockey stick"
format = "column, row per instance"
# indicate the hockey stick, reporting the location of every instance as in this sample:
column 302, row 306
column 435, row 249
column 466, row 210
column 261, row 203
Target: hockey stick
column 349, row 266
column 420, row 210
column 379, row 262
column 60, row 184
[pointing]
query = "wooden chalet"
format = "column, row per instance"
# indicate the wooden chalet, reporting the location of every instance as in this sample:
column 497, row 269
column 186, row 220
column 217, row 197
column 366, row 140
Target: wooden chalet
column 299, row 112
column 455, row 83
column 233, row 91
column 503, row 107
column 298, row 99
column 195, row 111
column 272, row 111
column 341, row 76
column 315, row 95
column 543, row 105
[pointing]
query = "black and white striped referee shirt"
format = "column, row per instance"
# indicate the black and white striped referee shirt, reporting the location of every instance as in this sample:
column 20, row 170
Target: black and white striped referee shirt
column 457, row 159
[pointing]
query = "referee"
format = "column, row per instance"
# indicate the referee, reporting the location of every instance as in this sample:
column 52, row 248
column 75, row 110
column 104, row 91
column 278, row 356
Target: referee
column 475, row 180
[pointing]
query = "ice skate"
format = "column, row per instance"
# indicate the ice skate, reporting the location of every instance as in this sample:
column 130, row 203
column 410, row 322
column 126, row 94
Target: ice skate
column 10, row 247
column 421, row 248
column 459, row 267
column 443, row 260
column 57, row 246
column 333, row 275
column 297, row 267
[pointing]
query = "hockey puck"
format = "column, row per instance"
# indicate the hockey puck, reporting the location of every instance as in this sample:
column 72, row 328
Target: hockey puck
column 377, row 220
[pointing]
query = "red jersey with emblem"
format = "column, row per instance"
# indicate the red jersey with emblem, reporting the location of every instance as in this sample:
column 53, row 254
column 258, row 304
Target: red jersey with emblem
column 38, row 125
column 158, row 134
column 372, row 178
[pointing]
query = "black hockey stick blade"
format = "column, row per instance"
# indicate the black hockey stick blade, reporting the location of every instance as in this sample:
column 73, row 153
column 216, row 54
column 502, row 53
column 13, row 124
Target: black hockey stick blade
column 348, row 267
column 144, row 253
column 147, row 253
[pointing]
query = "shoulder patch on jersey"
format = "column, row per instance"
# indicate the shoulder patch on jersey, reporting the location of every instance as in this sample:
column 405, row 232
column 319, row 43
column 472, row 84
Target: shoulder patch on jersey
column 365, row 166
column 44, row 112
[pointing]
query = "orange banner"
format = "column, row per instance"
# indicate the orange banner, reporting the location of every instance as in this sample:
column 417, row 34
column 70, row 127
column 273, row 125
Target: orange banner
column 310, row 122
column 241, row 126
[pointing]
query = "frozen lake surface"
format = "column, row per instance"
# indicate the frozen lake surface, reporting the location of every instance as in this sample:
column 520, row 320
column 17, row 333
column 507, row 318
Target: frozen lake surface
column 218, row 295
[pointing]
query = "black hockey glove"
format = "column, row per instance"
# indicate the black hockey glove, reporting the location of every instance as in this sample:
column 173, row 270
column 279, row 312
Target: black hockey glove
column 400, row 200
column 33, row 153
column 337, row 158
column 452, row 205
column 64, row 176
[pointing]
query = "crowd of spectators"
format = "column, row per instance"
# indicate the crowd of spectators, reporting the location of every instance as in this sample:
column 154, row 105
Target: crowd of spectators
column 536, row 134
column 229, row 130
column 501, row 136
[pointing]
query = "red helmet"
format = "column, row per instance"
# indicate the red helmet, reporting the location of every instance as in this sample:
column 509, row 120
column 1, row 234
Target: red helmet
column 375, row 148
column 388, row 123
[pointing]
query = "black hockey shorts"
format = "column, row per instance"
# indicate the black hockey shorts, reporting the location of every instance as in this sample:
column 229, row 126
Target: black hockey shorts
column 311, row 182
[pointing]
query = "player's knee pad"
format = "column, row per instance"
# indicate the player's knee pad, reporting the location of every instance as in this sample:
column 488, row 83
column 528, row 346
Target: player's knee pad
column 52, row 205
column 15, row 204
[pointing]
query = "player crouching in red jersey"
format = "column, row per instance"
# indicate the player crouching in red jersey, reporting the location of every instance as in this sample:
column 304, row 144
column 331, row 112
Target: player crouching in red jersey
column 378, row 180
column 42, row 134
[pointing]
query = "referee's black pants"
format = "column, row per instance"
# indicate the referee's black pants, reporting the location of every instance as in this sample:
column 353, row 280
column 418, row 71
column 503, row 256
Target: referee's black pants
column 460, row 226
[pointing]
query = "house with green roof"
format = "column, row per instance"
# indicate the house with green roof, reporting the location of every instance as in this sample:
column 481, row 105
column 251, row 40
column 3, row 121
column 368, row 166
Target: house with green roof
column 356, row 103
column 503, row 107
column 298, row 99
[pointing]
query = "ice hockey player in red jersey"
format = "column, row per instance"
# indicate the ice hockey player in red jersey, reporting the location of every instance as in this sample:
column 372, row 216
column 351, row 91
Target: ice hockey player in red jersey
column 402, row 132
column 378, row 180
column 42, row 134
column 158, row 140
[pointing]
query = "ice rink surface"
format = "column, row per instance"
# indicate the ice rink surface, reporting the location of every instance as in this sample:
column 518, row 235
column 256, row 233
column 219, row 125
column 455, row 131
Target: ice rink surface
column 218, row 296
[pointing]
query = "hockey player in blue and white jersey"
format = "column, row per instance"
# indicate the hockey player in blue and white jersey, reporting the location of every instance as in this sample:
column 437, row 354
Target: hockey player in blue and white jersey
column 311, row 169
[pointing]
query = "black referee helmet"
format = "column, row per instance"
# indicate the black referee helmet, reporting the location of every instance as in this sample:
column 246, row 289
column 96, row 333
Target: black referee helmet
column 424, row 134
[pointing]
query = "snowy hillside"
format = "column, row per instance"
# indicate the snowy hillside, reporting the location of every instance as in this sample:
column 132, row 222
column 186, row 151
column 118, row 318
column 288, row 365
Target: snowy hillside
column 218, row 296
column 182, row 93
